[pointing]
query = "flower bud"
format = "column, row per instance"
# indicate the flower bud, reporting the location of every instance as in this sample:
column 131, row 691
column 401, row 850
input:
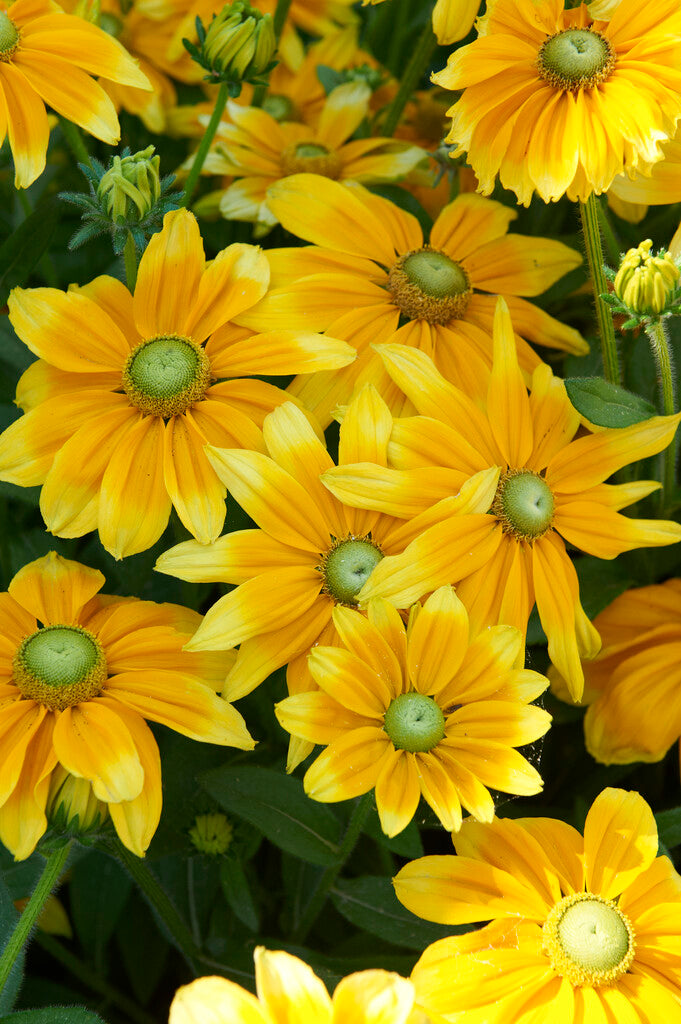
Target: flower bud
column 131, row 187
column 211, row 834
column 71, row 804
column 239, row 43
column 646, row 283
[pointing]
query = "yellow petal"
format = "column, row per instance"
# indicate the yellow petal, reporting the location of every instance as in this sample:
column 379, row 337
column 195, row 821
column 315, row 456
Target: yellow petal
column 397, row 792
column 508, row 404
column 620, row 841
column 348, row 767
column 289, row 990
column 54, row 589
column 373, row 997
column 438, row 640
column 24, row 118
column 94, row 743
column 234, row 281
column 136, row 820
column 214, row 1001
column 191, row 482
column 169, row 276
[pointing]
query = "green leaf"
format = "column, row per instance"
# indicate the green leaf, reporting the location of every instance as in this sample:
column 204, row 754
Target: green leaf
column 406, row 844
column 143, row 951
column 8, row 920
column 607, row 405
column 277, row 805
column 24, row 247
column 370, row 903
column 329, row 77
column 669, row 827
column 237, row 892
column 98, row 891
column 54, row 1015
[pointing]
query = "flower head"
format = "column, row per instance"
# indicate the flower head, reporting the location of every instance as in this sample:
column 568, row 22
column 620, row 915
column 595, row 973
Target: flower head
column 551, row 489
column 646, row 284
column 47, row 57
column 556, row 101
column 371, row 277
column 79, row 674
column 117, row 420
column 423, row 711
column 582, row 928
column 288, row 990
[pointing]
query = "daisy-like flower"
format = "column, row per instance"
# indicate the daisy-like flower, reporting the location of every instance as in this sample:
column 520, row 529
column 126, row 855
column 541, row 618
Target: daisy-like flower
column 452, row 19
column 422, row 711
column 632, row 687
column 124, row 397
column 47, row 57
column 551, row 490
column 583, row 929
column 79, row 674
column 259, row 151
column 288, row 990
column 310, row 552
column 557, row 102
column 374, row 271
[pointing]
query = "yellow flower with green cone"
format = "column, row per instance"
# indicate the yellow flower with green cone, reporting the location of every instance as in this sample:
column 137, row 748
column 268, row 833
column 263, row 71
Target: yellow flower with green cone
column 128, row 389
column 583, row 929
column 371, row 276
column 47, row 57
column 557, row 102
column 424, row 711
column 288, row 990
column 79, row 674
column 552, row 489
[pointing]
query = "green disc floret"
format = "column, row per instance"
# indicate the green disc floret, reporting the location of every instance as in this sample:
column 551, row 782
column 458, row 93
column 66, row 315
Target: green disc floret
column 588, row 940
column 435, row 273
column 165, row 375
column 59, row 666
column 347, row 567
column 9, row 36
column 524, row 504
column 576, row 58
column 414, row 722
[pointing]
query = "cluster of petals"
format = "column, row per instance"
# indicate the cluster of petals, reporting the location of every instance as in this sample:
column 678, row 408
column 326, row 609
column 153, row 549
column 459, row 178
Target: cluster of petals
column 103, row 463
column 514, row 873
column 105, row 739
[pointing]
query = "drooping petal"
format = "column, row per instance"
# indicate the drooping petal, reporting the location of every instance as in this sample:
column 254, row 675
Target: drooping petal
column 397, row 792
column 348, row 767
column 94, row 743
column 54, row 589
column 192, row 484
column 24, row 115
column 508, row 404
column 439, row 790
column 19, row 723
column 22, row 815
column 136, row 820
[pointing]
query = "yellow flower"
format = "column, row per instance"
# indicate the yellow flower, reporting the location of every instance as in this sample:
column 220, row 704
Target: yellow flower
column 556, row 102
column 425, row 711
column 289, row 991
column 633, row 686
column 452, row 19
column 47, row 57
column 79, row 674
column 311, row 551
column 551, row 490
column 583, row 929
column 374, row 271
column 123, row 399
column 259, row 151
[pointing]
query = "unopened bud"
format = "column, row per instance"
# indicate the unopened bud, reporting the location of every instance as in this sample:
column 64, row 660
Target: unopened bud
column 131, row 187
column 211, row 834
column 645, row 283
column 240, row 43
column 72, row 804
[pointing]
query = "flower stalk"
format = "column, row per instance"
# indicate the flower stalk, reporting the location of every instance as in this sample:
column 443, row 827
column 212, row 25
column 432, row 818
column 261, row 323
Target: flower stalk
column 54, row 866
column 594, row 254
column 659, row 344
column 417, row 66
column 204, row 145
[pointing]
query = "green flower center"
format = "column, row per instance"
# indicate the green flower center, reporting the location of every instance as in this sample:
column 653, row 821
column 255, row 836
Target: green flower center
column 589, row 940
column 9, row 37
column 60, row 666
column 310, row 158
column 280, row 108
column 524, row 504
column 347, row 566
column 578, row 58
column 164, row 376
column 427, row 284
column 414, row 722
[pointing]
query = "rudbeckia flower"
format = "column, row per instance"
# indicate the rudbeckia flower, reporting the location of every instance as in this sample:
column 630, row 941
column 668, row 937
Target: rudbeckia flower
column 310, row 552
column 129, row 390
column 79, row 674
column 583, row 929
column 259, row 151
column 452, row 19
column 551, row 490
column 632, row 687
column 422, row 711
column 374, row 278
column 557, row 102
column 47, row 57
column 288, row 990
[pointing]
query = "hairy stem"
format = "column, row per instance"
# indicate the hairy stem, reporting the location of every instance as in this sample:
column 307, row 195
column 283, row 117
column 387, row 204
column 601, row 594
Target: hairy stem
column 594, row 255
column 204, row 145
column 659, row 344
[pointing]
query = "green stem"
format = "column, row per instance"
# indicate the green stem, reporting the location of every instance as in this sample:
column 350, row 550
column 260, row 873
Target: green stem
column 594, row 255
column 161, row 904
column 659, row 344
column 280, row 16
column 91, row 979
column 417, row 66
column 612, row 246
column 204, row 145
column 130, row 262
column 74, row 140
column 54, row 865
column 318, row 899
